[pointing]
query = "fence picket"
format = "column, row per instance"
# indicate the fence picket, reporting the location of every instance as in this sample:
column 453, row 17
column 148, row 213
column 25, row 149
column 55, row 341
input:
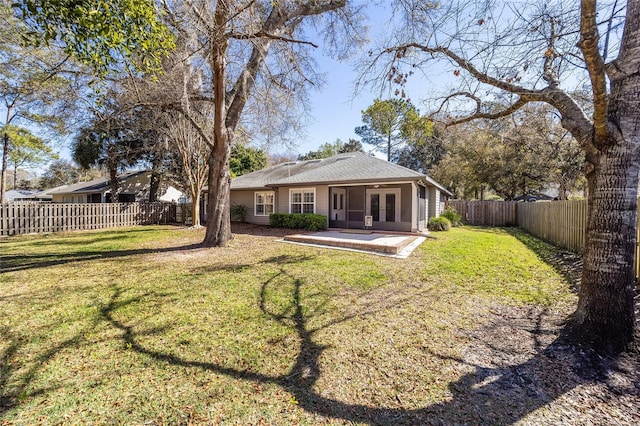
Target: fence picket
column 492, row 213
column 562, row 223
column 22, row 218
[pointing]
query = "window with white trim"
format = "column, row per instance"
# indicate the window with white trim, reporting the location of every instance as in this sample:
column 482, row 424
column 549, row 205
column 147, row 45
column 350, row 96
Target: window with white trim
column 264, row 203
column 302, row 200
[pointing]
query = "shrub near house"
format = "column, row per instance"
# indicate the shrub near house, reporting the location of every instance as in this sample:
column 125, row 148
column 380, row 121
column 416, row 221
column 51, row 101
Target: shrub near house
column 308, row 221
column 439, row 223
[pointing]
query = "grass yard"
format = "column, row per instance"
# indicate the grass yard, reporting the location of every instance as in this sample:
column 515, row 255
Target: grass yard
column 143, row 326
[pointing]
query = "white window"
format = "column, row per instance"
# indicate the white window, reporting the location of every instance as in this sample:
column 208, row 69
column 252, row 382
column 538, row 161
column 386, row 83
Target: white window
column 302, row 200
column 264, row 203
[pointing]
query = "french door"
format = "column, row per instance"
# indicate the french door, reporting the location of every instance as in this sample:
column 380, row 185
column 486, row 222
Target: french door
column 383, row 205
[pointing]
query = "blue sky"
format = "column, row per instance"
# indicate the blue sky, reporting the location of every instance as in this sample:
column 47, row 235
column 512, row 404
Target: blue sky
column 335, row 109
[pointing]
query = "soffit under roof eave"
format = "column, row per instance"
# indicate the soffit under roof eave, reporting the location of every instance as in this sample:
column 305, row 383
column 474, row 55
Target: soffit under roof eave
column 347, row 182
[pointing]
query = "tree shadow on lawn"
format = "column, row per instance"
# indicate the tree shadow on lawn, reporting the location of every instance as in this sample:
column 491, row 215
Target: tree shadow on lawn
column 20, row 262
column 17, row 376
column 14, row 388
column 564, row 262
column 494, row 391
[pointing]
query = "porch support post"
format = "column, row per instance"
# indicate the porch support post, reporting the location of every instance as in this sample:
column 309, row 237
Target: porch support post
column 364, row 206
column 415, row 207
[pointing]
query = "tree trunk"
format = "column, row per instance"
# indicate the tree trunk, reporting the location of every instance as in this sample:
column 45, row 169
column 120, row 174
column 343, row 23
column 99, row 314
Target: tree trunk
column 154, row 182
column 604, row 318
column 154, row 185
column 5, row 156
column 218, row 218
column 195, row 206
column 218, row 231
column 113, row 183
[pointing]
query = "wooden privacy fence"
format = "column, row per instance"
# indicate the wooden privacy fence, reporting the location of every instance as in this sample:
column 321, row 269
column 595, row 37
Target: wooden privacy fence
column 489, row 213
column 27, row 218
column 562, row 223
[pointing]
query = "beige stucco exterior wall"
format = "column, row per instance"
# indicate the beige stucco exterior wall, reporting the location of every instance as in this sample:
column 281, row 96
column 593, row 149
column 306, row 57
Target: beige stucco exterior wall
column 68, row 198
column 434, row 202
column 247, row 198
column 321, row 198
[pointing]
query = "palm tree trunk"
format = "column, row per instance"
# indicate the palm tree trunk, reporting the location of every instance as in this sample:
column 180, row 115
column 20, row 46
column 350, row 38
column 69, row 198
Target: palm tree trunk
column 605, row 317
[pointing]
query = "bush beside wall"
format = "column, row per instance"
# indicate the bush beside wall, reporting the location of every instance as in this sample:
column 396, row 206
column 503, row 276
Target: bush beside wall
column 308, row 221
column 453, row 216
column 440, row 223
column 239, row 212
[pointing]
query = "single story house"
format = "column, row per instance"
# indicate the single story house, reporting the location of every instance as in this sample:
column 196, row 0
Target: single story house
column 353, row 190
column 17, row 194
column 134, row 186
column 41, row 196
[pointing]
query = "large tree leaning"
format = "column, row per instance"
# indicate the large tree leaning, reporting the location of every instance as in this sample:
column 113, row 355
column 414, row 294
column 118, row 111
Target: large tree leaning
column 135, row 31
column 609, row 134
column 229, row 102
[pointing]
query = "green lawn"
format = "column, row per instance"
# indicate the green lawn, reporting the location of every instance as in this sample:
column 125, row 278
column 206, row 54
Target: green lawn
column 142, row 326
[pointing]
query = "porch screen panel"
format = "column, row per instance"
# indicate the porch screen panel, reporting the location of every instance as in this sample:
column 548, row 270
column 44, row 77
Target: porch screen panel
column 355, row 204
column 423, row 203
column 390, row 206
column 375, row 207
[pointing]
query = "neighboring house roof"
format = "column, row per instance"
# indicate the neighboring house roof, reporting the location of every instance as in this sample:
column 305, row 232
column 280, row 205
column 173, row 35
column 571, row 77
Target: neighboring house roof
column 534, row 197
column 18, row 194
column 352, row 167
column 41, row 195
column 95, row 185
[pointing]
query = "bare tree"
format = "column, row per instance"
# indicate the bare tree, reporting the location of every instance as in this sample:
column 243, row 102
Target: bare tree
column 192, row 153
column 525, row 53
column 229, row 44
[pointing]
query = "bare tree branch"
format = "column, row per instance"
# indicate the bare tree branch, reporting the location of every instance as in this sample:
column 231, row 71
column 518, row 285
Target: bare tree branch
column 200, row 16
column 264, row 34
column 400, row 51
column 491, row 116
column 595, row 65
column 574, row 116
column 469, row 95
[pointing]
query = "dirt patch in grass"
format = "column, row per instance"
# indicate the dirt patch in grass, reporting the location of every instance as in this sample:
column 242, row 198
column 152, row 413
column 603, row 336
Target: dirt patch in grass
column 514, row 365
column 151, row 328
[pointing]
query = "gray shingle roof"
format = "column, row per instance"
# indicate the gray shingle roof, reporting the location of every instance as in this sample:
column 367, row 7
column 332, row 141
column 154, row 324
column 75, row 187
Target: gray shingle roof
column 94, row 185
column 353, row 167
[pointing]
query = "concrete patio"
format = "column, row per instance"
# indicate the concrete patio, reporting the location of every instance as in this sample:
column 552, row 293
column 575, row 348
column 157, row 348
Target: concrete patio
column 381, row 243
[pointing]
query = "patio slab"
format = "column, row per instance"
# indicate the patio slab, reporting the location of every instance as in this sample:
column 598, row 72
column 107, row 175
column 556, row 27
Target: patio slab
column 394, row 245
